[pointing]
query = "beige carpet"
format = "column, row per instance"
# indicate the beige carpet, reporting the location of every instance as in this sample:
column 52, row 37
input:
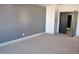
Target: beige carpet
column 44, row 44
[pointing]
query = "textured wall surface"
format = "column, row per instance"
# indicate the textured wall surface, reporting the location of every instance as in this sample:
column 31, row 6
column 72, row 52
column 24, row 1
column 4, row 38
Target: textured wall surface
column 18, row 19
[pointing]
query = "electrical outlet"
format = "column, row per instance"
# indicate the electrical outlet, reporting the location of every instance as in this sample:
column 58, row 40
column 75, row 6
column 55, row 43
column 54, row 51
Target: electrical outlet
column 23, row 34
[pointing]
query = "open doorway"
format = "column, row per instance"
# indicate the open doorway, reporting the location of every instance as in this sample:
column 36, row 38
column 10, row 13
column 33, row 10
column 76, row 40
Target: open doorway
column 67, row 23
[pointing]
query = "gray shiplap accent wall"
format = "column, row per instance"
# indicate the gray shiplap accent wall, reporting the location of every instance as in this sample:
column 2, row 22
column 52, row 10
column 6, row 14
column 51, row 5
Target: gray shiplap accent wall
column 18, row 19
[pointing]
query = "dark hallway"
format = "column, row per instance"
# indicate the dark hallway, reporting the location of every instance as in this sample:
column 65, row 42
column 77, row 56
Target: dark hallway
column 69, row 21
column 65, row 23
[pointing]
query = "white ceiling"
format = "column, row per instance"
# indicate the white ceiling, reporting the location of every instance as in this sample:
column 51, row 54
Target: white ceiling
column 44, row 5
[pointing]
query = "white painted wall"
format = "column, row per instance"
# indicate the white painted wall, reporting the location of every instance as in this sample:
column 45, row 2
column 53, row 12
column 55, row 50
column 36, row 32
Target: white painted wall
column 50, row 16
column 77, row 29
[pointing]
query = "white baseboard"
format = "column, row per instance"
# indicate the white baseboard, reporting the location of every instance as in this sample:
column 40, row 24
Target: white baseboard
column 20, row 39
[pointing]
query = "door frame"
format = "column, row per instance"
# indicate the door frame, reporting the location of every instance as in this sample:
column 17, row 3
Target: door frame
column 74, row 24
column 59, row 21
